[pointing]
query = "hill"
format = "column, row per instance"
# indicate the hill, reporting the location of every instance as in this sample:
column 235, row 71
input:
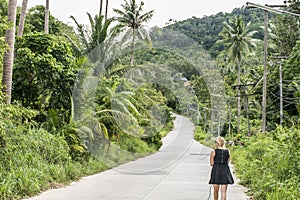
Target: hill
column 206, row 30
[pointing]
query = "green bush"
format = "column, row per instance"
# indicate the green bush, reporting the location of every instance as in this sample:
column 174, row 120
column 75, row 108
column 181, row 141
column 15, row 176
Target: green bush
column 134, row 145
column 32, row 159
column 35, row 160
column 269, row 164
column 200, row 135
column 204, row 138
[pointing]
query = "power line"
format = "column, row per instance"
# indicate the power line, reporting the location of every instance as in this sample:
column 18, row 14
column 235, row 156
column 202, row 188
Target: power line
column 267, row 8
column 270, row 8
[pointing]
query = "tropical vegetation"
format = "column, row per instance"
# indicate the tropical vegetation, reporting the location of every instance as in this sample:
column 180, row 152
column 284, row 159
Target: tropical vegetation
column 80, row 100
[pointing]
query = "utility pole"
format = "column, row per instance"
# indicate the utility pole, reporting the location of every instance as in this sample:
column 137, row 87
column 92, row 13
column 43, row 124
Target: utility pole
column 280, row 86
column 266, row 9
column 213, row 112
column 247, row 103
column 281, row 101
column 264, row 96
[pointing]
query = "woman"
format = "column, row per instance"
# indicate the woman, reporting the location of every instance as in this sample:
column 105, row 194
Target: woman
column 220, row 173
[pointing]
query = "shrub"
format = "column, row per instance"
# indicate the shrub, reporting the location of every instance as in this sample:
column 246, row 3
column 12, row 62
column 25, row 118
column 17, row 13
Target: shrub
column 32, row 159
column 134, row 145
column 268, row 164
column 204, row 138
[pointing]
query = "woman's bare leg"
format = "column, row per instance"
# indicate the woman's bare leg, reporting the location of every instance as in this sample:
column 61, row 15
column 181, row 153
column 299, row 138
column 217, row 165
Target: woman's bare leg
column 216, row 192
column 223, row 192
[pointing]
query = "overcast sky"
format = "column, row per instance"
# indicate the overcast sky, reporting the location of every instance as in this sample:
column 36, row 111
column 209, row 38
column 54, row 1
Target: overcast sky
column 164, row 9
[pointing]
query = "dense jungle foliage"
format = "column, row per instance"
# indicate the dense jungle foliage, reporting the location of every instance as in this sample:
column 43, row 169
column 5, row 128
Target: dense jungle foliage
column 265, row 162
column 80, row 105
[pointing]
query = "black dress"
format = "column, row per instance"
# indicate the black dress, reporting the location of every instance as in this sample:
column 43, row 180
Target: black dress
column 220, row 173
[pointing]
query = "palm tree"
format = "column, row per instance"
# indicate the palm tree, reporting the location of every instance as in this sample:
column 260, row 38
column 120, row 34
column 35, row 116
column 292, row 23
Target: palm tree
column 101, row 5
column 106, row 8
column 131, row 16
column 9, row 55
column 238, row 40
column 22, row 17
column 99, row 32
column 46, row 26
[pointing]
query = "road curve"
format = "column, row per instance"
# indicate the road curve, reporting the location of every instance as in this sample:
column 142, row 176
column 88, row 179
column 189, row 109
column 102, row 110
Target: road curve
column 178, row 171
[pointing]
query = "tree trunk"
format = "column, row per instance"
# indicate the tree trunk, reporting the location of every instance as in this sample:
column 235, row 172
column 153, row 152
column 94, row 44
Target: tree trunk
column 239, row 93
column 106, row 8
column 132, row 52
column 46, row 25
column 219, row 124
column 247, row 113
column 22, row 17
column 9, row 54
column 205, row 122
column 229, row 119
column 132, row 47
column 101, row 5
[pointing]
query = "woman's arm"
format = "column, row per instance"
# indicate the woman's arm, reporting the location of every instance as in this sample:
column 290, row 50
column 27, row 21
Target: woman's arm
column 212, row 156
column 229, row 159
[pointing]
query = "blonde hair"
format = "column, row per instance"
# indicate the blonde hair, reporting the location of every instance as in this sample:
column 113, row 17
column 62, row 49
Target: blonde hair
column 221, row 141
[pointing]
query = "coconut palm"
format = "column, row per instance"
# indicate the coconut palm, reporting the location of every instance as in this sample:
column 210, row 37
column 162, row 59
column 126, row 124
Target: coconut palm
column 131, row 16
column 22, row 17
column 99, row 32
column 106, row 9
column 101, row 5
column 9, row 55
column 238, row 40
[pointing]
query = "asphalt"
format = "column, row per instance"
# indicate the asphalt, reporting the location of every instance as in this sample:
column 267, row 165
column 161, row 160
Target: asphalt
column 180, row 170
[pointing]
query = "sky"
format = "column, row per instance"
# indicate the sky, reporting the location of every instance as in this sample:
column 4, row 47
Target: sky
column 164, row 10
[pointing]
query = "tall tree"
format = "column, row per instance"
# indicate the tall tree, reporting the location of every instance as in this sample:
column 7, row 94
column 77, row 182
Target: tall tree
column 22, row 18
column 43, row 72
column 131, row 16
column 106, row 9
column 35, row 22
column 99, row 32
column 238, row 40
column 47, row 17
column 101, row 5
column 9, row 55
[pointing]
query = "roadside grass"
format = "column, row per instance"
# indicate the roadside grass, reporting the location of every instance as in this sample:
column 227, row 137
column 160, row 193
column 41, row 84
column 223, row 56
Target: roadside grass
column 34, row 160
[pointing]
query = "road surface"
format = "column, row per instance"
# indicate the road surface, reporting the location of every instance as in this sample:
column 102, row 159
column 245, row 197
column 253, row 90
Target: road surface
column 180, row 170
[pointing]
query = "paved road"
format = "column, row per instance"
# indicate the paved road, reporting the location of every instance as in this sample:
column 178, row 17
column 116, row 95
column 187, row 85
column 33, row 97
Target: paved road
column 179, row 171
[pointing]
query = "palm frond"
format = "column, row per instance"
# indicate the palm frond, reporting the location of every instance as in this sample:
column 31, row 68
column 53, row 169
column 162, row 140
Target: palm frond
column 81, row 32
column 76, row 48
column 104, row 131
column 92, row 23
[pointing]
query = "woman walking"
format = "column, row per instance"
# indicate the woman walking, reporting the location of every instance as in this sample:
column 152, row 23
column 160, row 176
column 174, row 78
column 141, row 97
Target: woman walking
column 220, row 172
